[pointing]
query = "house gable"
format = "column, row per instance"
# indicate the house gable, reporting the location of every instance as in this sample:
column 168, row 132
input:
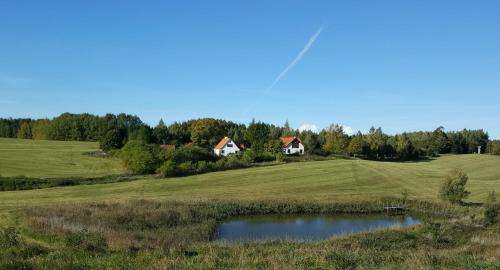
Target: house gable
column 292, row 146
column 225, row 147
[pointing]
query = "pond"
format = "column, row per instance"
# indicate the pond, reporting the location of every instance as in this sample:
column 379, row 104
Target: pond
column 306, row 227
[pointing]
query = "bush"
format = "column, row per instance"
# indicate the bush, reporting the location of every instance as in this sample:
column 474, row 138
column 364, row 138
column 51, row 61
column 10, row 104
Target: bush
column 190, row 153
column 186, row 168
column 280, row 157
column 248, row 156
column 265, row 157
column 88, row 241
column 453, row 187
column 233, row 163
column 168, row 168
column 113, row 139
column 491, row 214
column 220, row 164
column 139, row 157
column 171, row 168
column 204, row 166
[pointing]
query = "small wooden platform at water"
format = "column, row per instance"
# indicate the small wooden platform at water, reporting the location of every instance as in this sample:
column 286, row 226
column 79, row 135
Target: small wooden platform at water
column 395, row 209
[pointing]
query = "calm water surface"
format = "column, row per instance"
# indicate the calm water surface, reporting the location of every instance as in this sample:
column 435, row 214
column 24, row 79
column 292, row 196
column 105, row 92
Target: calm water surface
column 306, row 227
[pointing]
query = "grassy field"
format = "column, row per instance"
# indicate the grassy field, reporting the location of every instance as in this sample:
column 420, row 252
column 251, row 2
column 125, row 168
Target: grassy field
column 334, row 180
column 43, row 159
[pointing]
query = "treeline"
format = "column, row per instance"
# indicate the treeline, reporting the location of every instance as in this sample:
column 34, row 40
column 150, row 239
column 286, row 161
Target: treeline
column 264, row 138
column 494, row 147
column 74, row 127
column 114, row 131
column 195, row 139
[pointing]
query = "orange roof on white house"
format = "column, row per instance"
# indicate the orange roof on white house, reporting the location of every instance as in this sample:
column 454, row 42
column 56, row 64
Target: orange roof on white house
column 223, row 143
column 288, row 140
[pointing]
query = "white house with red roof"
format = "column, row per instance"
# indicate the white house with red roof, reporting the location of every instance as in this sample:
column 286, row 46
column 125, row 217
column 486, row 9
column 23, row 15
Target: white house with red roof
column 226, row 147
column 292, row 146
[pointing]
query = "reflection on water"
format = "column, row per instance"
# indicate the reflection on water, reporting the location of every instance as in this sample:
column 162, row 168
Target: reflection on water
column 306, row 227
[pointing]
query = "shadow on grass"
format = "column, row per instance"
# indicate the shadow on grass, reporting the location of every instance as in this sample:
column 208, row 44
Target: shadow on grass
column 27, row 183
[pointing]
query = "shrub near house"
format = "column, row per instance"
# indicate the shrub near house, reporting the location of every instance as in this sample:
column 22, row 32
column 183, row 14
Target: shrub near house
column 139, row 157
column 191, row 159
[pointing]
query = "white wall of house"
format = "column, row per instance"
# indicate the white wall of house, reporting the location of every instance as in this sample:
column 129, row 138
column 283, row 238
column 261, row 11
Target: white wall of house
column 289, row 150
column 229, row 149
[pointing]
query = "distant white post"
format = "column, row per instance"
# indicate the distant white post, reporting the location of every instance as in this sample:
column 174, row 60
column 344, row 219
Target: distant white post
column 479, row 149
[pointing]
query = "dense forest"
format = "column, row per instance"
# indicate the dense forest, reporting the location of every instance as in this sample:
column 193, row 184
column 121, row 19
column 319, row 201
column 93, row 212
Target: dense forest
column 113, row 131
column 71, row 127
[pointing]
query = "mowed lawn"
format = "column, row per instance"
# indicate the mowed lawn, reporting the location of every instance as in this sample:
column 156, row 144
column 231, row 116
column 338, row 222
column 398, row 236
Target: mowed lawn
column 334, row 180
column 53, row 159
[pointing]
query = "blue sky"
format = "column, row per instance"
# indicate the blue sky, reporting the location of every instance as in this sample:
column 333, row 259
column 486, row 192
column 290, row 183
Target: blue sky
column 402, row 65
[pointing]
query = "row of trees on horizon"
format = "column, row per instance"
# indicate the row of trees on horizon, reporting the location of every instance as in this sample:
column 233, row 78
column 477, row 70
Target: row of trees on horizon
column 114, row 131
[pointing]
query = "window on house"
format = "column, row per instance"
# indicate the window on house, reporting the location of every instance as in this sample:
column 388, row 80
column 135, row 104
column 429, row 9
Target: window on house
column 222, row 151
column 229, row 145
column 301, row 151
column 288, row 151
column 295, row 144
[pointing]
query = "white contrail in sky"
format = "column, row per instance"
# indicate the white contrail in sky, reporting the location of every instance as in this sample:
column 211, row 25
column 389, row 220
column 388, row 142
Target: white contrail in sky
column 297, row 58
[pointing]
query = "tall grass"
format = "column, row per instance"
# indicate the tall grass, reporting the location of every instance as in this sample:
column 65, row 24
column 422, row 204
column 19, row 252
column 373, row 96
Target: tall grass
column 168, row 224
column 176, row 235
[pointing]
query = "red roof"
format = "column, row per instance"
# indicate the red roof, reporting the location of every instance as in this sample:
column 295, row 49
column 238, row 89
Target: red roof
column 222, row 143
column 288, row 140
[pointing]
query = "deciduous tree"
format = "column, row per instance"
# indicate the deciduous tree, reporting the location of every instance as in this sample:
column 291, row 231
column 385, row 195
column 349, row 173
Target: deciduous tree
column 335, row 140
column 356, row 145
column 24, row 131
column 453, row 186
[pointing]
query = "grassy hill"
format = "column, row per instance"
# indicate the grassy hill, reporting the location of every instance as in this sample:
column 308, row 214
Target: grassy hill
column 43, row 159
column 334, row 180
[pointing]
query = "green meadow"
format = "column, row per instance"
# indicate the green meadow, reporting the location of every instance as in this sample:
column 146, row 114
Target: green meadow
column 332, row 180
column 44, row 159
